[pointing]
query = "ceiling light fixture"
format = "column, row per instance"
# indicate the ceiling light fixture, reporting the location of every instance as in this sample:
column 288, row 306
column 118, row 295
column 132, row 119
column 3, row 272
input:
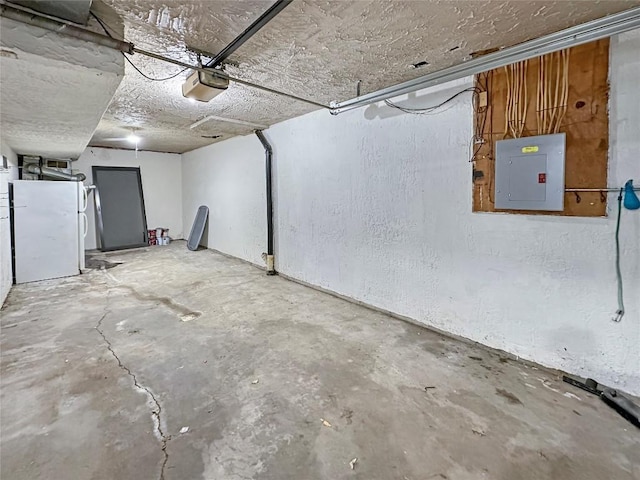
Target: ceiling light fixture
column 133, row 138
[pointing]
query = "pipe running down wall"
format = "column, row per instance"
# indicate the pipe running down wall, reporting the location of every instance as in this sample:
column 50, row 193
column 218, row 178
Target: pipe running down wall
column 267, row 162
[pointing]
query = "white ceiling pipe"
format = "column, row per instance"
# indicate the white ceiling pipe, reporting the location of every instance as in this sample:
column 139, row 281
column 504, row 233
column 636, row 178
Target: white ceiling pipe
column 587, row 32
column 227, row 120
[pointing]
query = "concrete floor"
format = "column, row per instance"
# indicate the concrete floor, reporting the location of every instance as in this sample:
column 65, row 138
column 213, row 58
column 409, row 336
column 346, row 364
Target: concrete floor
column 101, row 372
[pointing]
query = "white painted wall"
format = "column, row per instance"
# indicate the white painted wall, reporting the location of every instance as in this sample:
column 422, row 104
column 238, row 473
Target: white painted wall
column 161, row 175
column 376, row 205
column 6, row 175
column 228, row 177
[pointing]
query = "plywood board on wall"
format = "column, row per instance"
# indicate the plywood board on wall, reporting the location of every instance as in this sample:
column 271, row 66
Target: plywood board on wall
column 586, row 125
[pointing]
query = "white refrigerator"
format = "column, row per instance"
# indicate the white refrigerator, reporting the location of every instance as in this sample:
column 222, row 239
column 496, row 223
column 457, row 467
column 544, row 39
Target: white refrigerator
column 49, row 226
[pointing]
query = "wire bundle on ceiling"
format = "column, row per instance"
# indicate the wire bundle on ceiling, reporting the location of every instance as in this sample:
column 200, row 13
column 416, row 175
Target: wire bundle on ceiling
column 433, row 109
column 106, row 29
column 553, row 91
column 515, row 116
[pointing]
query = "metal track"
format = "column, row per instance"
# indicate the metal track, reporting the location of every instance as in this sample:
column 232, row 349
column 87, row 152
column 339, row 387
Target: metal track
column 584, row 33
column 221, row 74
column 47, row 22
column 237, row 42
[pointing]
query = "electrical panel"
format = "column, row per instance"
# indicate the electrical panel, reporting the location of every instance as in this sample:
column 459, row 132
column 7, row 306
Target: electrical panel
column 529, row 173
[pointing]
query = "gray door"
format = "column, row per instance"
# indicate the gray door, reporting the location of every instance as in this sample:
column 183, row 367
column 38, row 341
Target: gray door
column 120, row 207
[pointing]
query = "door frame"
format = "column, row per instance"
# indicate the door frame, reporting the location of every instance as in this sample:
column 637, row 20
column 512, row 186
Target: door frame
column 98, row 204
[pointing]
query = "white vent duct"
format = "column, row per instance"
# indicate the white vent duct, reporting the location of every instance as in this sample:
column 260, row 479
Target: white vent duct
column 76, row 11
column 53, row 173
column 55, row 89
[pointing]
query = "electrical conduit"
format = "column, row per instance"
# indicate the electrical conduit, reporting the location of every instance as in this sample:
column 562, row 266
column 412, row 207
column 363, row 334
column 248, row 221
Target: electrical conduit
column 268, row 160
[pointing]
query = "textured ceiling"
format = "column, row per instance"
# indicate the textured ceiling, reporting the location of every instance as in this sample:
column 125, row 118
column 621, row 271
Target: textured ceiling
column 314, row 49
column 54, row 90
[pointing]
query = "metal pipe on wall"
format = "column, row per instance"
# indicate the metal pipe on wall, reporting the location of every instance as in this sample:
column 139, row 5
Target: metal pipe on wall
column 587, row 32
column 268, row 161
column 601, row 190
column 28, row 17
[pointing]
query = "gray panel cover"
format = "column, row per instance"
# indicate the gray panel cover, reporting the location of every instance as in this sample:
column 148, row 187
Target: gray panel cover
column 529, row 173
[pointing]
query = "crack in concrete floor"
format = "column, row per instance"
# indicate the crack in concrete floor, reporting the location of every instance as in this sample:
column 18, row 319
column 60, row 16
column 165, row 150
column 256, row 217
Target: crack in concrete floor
column 184, row 313
column 69, row 412
column 156, row 413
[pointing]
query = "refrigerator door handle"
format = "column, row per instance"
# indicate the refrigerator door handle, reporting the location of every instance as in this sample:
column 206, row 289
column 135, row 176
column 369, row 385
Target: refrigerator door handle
column 85, row 222
column 85, row 199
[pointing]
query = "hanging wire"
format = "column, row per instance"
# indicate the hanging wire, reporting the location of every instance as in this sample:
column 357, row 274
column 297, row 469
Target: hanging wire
column 430, row 110
column 479, row 112
column 151, row 78
column 478, row 134
column 517, row 101
column 552, row 76
column 106, row 30
column 620, row 311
